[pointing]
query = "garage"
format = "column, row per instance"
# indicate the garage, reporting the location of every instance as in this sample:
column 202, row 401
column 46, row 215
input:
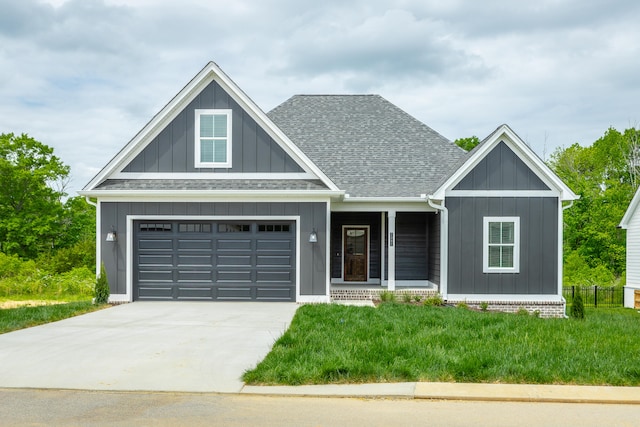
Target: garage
column 230, row 260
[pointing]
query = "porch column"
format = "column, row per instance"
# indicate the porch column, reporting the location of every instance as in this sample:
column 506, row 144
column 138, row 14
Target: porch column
column 391, row 237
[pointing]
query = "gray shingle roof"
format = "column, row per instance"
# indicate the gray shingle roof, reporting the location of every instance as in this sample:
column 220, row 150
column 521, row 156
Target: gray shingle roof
column 366, row 145
column 209, row 185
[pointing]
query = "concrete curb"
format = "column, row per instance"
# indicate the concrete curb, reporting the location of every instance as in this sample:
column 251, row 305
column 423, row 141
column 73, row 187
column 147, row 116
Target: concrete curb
column 460, row 391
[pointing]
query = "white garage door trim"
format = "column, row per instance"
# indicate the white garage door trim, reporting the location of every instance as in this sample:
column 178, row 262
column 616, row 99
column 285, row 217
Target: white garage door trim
column 128, row 296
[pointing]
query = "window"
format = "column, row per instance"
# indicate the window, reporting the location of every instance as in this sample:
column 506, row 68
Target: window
column 213, row 139
column 155, row 227
column 275, row 228
column 234, row 228
column 195, row 228
column 501, row 245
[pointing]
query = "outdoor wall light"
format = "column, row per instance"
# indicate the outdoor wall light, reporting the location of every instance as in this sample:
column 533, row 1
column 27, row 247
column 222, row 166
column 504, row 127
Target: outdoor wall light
column 313, row 237
column 112, row 236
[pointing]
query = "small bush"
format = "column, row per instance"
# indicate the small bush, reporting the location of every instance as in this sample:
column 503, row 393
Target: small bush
column 387, row 296
column 577, row 308
column 406, row 298
column 462, row 305
column 522, row 311
column 484, row 306
column 435, row 300
column 417, row 298
column 102, row 287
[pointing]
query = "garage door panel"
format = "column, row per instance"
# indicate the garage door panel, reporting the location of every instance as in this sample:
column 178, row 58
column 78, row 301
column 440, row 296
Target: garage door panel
column 234, row 276
column 273, row 245
column 206, row 244
column 155, row 276
column 211, row 260
column 233, row 260
column 195, row 275
column 204, row 260
column 273, row 260
column 274, row 276
column 156, row 260
column 234, row 244
column 159, row 244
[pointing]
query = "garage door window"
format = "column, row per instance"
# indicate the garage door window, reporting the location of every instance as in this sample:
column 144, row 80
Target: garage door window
column 277, row 228
column 195, row 228
column 234, row 228
column 154, row 227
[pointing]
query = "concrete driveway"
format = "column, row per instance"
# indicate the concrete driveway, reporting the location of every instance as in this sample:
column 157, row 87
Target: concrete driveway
column 151, row 346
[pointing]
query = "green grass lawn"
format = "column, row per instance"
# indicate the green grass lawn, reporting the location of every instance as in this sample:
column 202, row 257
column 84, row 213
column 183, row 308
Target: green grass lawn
column 398, row 342
column 12, row 319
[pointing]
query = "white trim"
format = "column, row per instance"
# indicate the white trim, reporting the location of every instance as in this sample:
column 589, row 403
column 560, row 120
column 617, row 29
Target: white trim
column 129, row 262
column 516, row 244
column 213, row 175
column 378, row 206
column 383, row 260
column 209, row 196
column 368, row 227
column 502, row 193
column 98, row 238
column 628, row 215
column 211, row 72
column 560, row 256
column 197, row 139
column 509, row 137
column 505, row 298
column 327, row 263
column 391, row 239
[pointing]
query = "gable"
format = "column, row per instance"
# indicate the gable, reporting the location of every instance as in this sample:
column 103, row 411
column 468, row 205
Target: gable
column 253, row 150
column 501, row 169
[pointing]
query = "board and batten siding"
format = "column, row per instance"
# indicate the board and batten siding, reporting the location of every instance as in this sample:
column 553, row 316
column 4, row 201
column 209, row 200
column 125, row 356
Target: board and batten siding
column 433, row 259
column 313, row 215
column 633, row 251
column 253, row 150
column 538, row 245
column 501, row 169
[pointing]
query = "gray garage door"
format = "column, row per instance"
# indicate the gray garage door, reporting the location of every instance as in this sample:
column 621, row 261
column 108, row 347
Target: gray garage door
column 214, row 260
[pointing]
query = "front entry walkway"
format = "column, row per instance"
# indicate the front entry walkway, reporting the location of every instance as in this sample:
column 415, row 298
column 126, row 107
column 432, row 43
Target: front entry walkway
column 150, row 346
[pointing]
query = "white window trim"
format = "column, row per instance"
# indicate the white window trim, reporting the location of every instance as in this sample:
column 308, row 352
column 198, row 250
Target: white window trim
column 196, row 137
column 516, row 244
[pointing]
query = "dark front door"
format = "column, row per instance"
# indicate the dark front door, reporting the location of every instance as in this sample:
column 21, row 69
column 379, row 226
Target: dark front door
column 355, row 254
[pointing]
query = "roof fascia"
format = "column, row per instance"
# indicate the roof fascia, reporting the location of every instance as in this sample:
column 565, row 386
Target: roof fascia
column 628, row 215
column 526, row 154
column 208, row 74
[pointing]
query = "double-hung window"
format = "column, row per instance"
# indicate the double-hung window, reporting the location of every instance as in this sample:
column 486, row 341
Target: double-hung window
column 501, row 244
column 213, row 139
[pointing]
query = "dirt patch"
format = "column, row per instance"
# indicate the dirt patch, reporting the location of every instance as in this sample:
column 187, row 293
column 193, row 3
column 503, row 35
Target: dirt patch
column 27, row 303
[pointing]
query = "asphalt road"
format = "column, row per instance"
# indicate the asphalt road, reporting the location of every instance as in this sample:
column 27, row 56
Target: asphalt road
column 29, row 407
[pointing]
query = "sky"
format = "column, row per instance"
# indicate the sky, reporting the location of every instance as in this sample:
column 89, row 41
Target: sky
column 84, row 76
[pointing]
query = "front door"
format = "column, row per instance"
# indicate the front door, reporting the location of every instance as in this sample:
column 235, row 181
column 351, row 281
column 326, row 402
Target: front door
column 355, row 254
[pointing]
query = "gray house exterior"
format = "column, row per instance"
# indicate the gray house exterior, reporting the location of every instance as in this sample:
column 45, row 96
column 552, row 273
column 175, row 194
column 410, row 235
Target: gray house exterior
column 325, row 197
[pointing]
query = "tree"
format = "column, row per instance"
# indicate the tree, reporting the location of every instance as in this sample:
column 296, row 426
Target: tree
column 467, row 144
column 31, row 209
column 603, row 175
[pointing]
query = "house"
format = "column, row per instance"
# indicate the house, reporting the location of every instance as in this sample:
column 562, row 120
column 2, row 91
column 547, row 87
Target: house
column 325, row 197
column 631, row 222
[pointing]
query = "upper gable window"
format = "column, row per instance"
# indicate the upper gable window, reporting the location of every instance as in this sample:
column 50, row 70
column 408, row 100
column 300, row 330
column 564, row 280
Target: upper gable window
column 213, row 139
column 501, row 241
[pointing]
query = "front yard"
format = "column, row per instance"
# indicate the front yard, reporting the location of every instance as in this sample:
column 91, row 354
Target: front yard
column 397, row 342
column 16, row 315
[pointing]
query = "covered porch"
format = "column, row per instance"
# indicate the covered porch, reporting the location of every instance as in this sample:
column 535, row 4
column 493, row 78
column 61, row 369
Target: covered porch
column 373, row 251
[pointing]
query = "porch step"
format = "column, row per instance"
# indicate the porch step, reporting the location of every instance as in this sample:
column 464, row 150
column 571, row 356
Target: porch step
column 369, row 294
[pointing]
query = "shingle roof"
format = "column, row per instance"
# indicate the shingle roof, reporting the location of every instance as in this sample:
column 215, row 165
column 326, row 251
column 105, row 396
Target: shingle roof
column 366, row 145
column 210, row 185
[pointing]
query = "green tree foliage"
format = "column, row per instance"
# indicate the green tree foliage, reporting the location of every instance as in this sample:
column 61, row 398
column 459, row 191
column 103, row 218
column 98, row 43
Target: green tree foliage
column 102, row 287
column 605, row 177
column 467, row 144
column 30, row 206
column 577, row 308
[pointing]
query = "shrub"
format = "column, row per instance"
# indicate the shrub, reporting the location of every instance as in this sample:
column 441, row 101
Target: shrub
column 102, row 287
column 463, row 305
column 484, row 306
column 417, row 298
column 522, row 311
column 577, row 308
column 82, row 254
column 435, row 300
column 406, row 298
column 387, row 296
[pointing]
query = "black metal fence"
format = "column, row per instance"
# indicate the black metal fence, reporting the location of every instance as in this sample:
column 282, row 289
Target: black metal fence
column 595, row 296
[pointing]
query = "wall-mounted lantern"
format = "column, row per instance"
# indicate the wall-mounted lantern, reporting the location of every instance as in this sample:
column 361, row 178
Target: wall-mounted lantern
column 313, row 237
column 112, row 236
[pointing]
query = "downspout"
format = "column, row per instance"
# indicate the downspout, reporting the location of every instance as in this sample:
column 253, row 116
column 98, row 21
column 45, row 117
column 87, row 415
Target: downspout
column 444, row 245
column 88, row 199
column 561, row 250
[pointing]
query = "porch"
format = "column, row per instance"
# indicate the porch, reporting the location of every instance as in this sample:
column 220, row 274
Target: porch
column 368, row 293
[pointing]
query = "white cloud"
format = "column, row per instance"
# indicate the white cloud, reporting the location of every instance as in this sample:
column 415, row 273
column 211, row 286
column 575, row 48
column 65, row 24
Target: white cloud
column 85, row 75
